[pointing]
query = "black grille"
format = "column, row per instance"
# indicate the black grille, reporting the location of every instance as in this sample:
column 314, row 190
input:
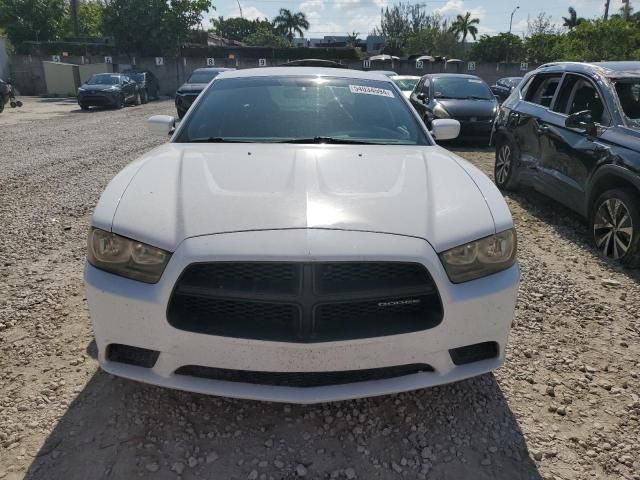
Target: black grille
column 474, row 353
column 140, row 357
column 302, row 379
column 304, row 302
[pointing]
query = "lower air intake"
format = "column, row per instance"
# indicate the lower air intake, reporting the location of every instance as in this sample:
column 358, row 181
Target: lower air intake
column 140, row 357
column 474, row 353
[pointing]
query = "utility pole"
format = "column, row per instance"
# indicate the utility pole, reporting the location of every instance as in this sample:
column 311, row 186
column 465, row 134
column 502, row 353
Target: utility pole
column 512, row 13
column 606, row 9
column 73, row 6
column 240, row 7
column 625, row 9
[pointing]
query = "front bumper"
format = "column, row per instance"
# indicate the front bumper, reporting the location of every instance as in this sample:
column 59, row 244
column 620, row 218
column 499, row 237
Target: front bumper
column 184, row 100
column 99, row 99
column 132, row 313
column 480, row 128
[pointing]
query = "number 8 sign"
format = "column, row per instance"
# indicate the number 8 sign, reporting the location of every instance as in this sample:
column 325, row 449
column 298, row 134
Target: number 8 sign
column 210, row 62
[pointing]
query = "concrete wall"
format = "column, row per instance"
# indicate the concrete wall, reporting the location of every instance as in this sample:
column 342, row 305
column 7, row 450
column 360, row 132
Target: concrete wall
column 4, row 59
column 173, row 71
column 62, row 79
column 89, row 69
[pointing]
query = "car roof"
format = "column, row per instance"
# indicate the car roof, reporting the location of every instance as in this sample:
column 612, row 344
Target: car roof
column 213, row 69
column 304, row 72
column 405, row 77
column 451, row 75
column 608, row 69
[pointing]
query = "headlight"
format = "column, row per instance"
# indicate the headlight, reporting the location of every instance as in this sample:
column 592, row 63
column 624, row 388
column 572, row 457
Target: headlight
column 112, row 88
column 440, row 112
column 480, row 258
column 81, row 90
column 125, row 257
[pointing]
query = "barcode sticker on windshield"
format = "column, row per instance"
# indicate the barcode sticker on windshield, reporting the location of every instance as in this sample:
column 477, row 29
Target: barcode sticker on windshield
column 371, row 91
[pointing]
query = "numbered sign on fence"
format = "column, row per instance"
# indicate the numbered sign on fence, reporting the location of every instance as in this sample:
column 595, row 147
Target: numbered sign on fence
column 159, row 61
column 55, row 58
column 524, row 67
column 471, row 66
column 108, row 59
column 210, row 62
column 262, row 62
column 366, row 64
column 419, row 65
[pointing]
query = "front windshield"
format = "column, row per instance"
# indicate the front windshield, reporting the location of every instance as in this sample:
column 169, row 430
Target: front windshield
column 202, row 77
column 137, row 77
column 104, row 80
column 406, row 84
column 628, row 91
column 302, row 110
column 461, row 87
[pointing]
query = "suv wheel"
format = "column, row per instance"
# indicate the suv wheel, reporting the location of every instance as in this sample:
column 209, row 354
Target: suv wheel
column 504, row 169
column 616, row 226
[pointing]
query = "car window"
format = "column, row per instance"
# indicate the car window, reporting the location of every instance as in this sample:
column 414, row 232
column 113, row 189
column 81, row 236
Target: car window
column 202, row 77
column 278, row 109
column 542, row 89
column 405, row 84
column 586, row 97
column 102, row 79
column 460, row 87
column 566, row 90
column 628, row 92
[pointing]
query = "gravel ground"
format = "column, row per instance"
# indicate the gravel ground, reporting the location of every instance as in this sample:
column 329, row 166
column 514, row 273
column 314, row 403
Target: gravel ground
column 565, row 406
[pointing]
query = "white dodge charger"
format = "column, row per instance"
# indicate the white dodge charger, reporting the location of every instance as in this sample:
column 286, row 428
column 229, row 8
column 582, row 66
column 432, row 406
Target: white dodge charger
column 301, row 238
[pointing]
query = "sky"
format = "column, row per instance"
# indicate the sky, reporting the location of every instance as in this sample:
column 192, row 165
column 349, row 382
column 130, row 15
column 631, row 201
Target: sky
column 340, row 17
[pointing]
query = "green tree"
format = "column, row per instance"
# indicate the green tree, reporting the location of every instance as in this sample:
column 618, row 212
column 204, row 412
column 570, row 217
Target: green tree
column 266, row 37
column 542, row 47
column 572, row 21
column 40, row 20
column 152, row 26
column 90, row 17
column 498, row 48
column 291, row 23
column 594, row 40
column 465, row 25
column 437, row 40
column 237, row 28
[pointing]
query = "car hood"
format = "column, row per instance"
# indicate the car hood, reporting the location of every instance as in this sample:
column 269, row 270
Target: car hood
column 98, row 88
column 465, row 108
column 192, row 87
column 179, row 191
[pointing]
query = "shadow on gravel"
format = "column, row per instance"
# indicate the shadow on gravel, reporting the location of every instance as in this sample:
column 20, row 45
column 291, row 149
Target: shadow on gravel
column 121, row 429
column 568, row 225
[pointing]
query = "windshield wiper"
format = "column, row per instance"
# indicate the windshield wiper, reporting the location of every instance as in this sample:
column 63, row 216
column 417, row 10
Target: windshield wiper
column 335, row 140
column 217, row 140
column 474, row 97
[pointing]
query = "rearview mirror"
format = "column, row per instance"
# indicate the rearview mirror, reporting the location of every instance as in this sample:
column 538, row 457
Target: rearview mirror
column 582, row 121
column 161, row 124
column 445, row 129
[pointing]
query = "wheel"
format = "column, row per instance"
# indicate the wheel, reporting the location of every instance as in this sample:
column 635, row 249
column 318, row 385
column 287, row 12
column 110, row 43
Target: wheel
column 84, row 107
column 18, row 103
column 119, row 102
column 615, row 221
column 13, row 104
column 138, row 99
column 504, row 171
column 144, row 97
column 1, row 105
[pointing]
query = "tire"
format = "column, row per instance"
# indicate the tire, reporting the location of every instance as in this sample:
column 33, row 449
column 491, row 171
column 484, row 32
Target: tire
column 144, row 97
column 18, row 103
column 84, row 107
column 119, row 103
column 138, row 99
column 181, row 114
column 13, row 104
column 1, row 105
column 615, row 223
column 504, row 170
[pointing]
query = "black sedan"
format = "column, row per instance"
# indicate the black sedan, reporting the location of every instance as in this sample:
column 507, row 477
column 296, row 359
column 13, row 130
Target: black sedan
column 572, row 132
column 195, row 84
column 503, row 87
column 108, row 90
column 147, row 83
column 465, row 98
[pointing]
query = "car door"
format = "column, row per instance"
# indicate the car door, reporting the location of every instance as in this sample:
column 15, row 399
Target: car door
column 570, row 155
column 524, row 119
column 129, row 88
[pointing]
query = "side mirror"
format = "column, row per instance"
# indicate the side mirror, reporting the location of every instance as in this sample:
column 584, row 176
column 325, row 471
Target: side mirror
column 582, row 121
column 421, row 96
column 445, row 129
column 161, row 124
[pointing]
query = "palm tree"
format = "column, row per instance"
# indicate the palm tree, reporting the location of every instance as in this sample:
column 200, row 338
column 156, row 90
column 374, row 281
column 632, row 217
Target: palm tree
column 465, row 25
column 573, row 20
column 291, row 23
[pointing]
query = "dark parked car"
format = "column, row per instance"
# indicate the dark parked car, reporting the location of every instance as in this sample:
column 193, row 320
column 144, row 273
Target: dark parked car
column 108, row 89
column 147, row 83
column 503, row 87
column 465, row 98
column 195, row 84
column 572, row 132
